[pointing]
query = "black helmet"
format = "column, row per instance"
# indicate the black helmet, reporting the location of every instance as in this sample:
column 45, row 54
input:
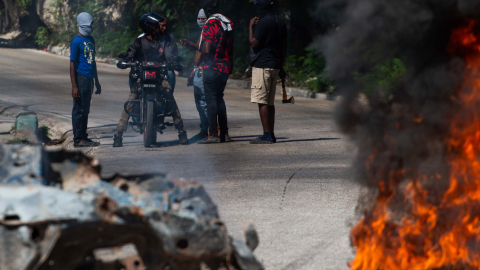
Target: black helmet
column 148, row 20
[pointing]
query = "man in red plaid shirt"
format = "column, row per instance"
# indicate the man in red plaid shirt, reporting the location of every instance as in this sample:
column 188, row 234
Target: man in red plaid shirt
column 216, row 47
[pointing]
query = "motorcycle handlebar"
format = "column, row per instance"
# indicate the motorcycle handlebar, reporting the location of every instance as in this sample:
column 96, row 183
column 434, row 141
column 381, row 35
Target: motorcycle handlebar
column 128, row 64
column 170, row 66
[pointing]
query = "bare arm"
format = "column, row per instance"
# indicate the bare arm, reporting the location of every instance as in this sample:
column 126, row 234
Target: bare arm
column 197, row 58
column 188, row 43
column 283, row 74
column 190, row 78
column 73, row 79
column 253, row 41
column 206, row 50
column 97, row 83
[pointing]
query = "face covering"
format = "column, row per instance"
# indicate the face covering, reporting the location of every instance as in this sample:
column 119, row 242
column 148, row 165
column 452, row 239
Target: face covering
column 85, row 24
column 201, row 14
column 264, row 9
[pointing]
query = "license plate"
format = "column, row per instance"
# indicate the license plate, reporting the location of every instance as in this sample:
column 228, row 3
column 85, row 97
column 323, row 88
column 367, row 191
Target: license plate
column 149, row 86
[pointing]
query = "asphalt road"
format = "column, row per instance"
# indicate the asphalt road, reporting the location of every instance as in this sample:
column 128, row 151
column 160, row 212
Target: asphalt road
column 297, row 192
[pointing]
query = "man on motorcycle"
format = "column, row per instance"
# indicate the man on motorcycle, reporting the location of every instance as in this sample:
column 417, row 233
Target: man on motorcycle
column 153, row 46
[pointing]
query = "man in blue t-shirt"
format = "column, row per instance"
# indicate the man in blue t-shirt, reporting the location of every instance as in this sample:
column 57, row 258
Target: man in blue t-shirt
column 83, row 73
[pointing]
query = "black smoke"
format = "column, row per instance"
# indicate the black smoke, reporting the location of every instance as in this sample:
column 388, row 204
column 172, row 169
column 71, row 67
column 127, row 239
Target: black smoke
column 399, row 127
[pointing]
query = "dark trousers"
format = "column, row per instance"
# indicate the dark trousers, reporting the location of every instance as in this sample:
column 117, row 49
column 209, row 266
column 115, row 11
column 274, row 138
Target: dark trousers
column 214, row 83
column 81, row 108
column 201, row 108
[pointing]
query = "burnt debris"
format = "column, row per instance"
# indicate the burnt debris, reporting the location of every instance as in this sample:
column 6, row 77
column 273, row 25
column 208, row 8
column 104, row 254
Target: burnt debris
column 56, row 212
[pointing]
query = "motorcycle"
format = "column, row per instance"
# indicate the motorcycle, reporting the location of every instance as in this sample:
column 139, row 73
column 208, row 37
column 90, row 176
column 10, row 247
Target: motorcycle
column 152, row 101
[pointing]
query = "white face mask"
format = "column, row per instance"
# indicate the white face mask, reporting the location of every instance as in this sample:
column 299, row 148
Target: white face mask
column 86, row 30
column 201, row 23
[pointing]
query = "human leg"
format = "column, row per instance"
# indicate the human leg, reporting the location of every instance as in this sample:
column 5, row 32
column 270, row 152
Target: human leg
column 78, row 109
column 263, row 93
column 81, row 108
column 77, row 113
column 222, row 108
column 201, row 105
column 172, row 79
column 271, row 121
column 209, row 81
column 177, row 117
column 264, row 116
column 260, row 96
column 271, row 78
column 123, row 123
column 86, row 96
column 200, row 102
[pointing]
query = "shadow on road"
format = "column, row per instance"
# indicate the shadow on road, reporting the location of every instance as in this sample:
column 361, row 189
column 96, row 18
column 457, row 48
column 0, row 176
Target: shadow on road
column 310, row 140
column 282, row 140
column 251, row 137
column 13, row 106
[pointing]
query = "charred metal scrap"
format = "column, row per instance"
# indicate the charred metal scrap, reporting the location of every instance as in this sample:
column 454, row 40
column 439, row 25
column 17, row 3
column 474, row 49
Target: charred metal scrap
column 57, row 213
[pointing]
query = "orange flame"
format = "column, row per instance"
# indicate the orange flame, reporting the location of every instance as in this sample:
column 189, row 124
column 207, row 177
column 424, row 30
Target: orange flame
column 431, row 235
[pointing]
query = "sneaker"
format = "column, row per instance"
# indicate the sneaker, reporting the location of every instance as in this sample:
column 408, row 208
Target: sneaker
column 83, row 143
column 262, row 140
column 90, row 141
column 209, row 141
column 117, row 140
column 182, row 136
column 274, row 139
column 200, row 136
column 226, row 138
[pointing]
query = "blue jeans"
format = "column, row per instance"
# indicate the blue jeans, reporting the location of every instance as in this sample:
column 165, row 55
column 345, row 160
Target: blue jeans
column 81, row 108
column 200, row 101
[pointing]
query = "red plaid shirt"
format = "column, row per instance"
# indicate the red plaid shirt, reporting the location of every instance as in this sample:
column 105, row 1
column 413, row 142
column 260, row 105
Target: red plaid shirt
column 222, row 44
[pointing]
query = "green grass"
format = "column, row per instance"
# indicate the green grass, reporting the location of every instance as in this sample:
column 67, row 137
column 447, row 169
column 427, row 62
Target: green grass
column 18, row 140
column 45, row 131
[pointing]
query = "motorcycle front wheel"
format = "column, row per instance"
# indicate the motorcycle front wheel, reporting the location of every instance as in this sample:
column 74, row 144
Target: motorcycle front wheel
column 150, row 132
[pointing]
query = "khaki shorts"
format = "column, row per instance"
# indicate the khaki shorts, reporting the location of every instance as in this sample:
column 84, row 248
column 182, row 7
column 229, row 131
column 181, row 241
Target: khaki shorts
column 264, row 85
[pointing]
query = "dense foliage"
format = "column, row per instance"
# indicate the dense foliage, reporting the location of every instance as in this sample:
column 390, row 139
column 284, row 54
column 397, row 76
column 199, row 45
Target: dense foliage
column 383, row 78
column 309, row 71
column 114, row 33
column 23, row 4
column 116, row 26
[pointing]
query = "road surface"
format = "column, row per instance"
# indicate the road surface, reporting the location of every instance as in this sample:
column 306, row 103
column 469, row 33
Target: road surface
column 297, row 192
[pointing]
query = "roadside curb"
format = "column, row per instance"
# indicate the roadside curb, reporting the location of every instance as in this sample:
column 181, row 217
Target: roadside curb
column 230, row 83
column 239, row 83
column 60, row 125
column 290, row 91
